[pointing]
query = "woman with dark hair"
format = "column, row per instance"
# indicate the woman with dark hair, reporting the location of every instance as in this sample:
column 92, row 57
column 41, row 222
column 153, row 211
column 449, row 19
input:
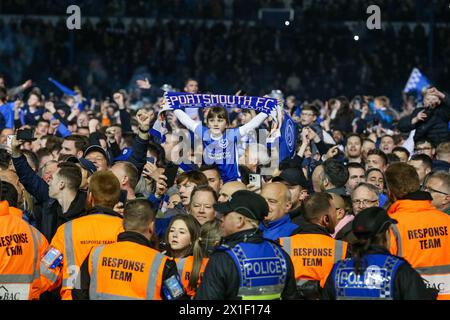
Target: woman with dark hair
column 342, row 115
column 192, row 267
column 372, row 272
column 181, row 235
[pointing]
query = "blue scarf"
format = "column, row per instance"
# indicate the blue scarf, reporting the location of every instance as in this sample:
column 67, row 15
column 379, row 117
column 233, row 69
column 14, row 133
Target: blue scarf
column 178, row 100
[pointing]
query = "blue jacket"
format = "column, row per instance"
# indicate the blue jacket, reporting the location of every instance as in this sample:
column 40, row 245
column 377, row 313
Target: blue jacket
column 139, row 155
column 27, row 117
column 282, row 227
column 383, row 198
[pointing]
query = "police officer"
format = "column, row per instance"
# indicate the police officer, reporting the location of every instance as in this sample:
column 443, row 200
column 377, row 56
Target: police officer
column 246, row 266
column 372, row 272
column 130, row 268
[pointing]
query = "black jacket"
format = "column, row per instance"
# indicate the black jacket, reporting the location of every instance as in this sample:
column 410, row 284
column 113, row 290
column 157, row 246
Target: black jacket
column 170, row 268
column 47, row 211
column 52, row 215
column 221, row 278
column 435, row 126
column 346, row 233
column 408, row 285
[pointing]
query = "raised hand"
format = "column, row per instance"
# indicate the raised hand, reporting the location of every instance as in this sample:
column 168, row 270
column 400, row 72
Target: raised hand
column 305, row 137
column 436, row 92
column 119, row 208
column 421, row 116
column 15, row 147
column 143, row 84
column 27, row 84
column 93, row 124
column 161, row 185
column 119, row 100
column 110, row 134
column 54, row 124
column 50, row 106
column 143, row 118
column 332, row 152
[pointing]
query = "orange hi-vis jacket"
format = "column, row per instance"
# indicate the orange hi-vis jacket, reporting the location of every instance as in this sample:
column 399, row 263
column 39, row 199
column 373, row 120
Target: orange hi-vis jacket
column 125, row 270
column 185, row 266
column 75, row 240
column 21, row 248
column 313, row 255
column 422, row 237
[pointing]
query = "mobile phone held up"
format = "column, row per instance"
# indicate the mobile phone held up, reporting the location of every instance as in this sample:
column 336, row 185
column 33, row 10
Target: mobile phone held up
column 9, row 139
column 255, row 179
column 171, row 173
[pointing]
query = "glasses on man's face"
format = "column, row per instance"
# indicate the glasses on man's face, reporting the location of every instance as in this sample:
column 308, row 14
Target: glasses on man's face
column 365, row 202
column 428, row 189
column 307, row 114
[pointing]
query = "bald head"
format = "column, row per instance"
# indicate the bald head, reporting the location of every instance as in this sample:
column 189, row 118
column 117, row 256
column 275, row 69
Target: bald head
column 126, row 173
column 229, row 188
column 278, row 198
column 338, row 200
column 339, row 204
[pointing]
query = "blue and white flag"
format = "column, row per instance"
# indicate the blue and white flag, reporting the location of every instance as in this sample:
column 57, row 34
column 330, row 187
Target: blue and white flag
column 288, row 138
column 416, row 84
column 80, row 104
column 285, row 139
column 159, row 130
column 63, row 88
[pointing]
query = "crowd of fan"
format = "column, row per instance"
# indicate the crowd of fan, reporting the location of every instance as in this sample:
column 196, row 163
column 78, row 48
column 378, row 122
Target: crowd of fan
column 343, row 148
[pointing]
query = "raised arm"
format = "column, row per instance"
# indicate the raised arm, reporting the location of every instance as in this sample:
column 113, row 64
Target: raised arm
column 138, row 157
column 125, row 118
column 253, row 124
column 190, row 124
column 34, row 184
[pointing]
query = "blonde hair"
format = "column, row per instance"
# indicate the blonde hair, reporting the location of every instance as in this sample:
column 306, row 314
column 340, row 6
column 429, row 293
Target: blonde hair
column 209, row 235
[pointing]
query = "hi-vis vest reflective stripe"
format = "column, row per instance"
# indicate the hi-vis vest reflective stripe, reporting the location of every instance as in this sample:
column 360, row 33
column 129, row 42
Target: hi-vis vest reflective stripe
column 75, row 240
column 262, row 269
column 19, row 285
column 313, row 256
column 184, row 266
column 71, row 279
column 422, row 237
column 111, row 282
column 376, row 283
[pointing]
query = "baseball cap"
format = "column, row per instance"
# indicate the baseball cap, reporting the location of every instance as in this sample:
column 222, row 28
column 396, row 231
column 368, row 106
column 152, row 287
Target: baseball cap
column 245, row 202
column 85, row 163
column 370, row 222
column 293, row 176
column 97, row 148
